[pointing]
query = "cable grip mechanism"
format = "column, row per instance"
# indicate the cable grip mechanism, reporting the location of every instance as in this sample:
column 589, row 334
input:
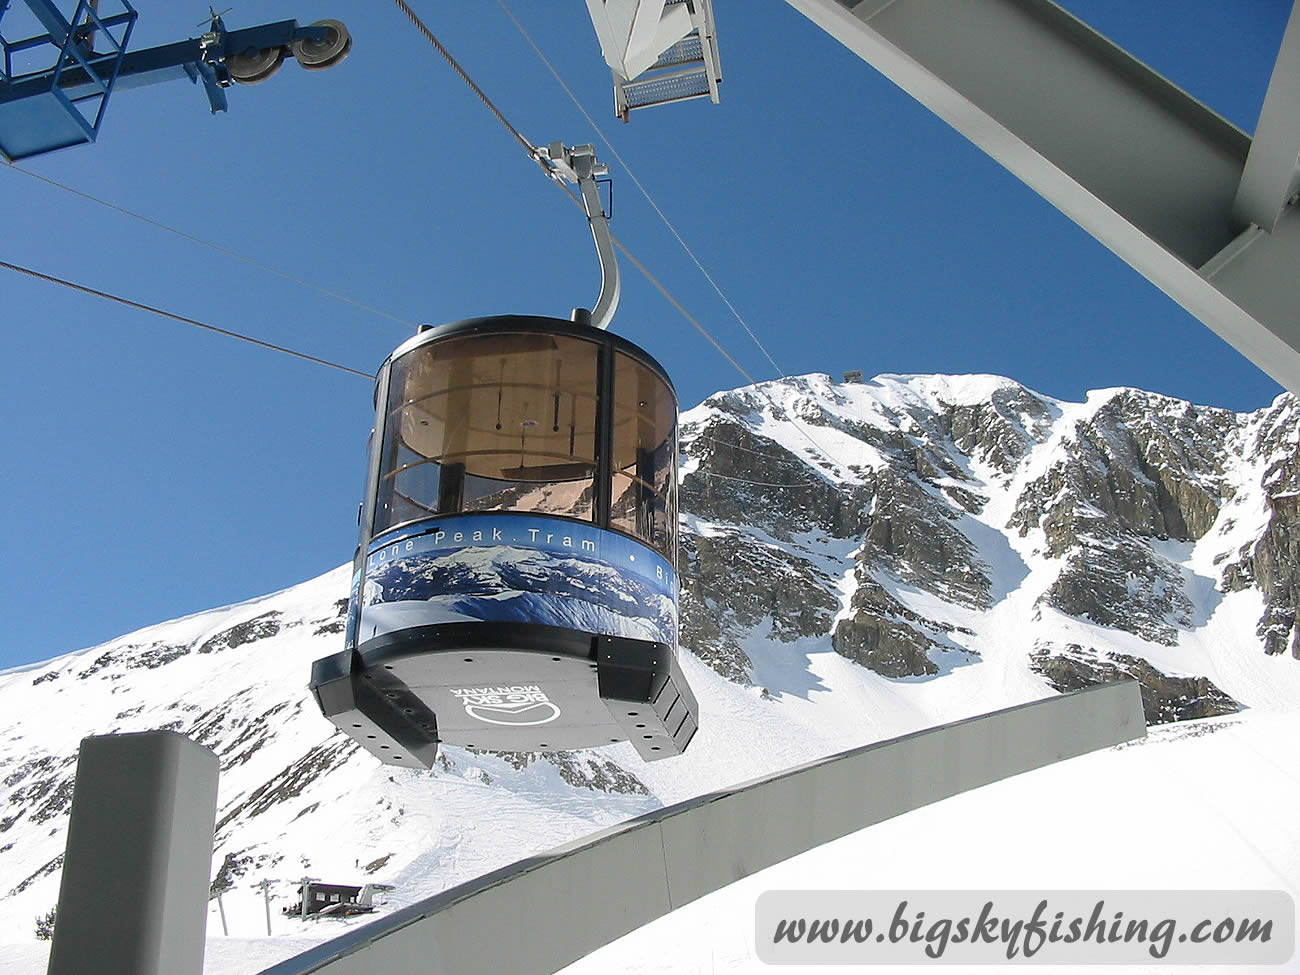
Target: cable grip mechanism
column 577, row 164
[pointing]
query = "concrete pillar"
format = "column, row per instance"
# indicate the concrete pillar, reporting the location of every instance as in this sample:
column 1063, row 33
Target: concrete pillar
column 134, row 894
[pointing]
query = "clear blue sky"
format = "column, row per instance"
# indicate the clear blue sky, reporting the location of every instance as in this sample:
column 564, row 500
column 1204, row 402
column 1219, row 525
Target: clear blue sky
column 153, row 470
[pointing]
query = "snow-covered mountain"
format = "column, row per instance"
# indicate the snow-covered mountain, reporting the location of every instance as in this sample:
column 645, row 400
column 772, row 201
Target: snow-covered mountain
column 859, row 560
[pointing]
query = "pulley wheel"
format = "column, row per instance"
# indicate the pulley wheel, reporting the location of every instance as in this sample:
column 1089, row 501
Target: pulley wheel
column 255, row 67
column 319, row 55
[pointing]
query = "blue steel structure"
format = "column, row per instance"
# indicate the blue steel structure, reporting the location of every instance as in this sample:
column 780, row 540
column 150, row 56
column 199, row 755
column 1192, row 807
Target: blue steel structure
column 55, row 85
column 36, row 113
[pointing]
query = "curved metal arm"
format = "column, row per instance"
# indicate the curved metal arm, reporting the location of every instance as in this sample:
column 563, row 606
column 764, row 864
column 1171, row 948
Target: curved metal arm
column 610, row 283
column 579, row 165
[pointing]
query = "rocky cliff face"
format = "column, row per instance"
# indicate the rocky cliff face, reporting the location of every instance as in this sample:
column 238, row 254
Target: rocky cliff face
column 1102, row 513
column 1140, row 468
column 1271, row 560
column 858, row 560
column 1165, row 698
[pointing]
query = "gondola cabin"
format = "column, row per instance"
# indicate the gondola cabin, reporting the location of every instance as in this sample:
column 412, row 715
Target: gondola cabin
column 515, row 588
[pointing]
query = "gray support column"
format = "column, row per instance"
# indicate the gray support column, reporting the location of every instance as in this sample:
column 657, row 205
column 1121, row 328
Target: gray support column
column 134, row 894
column 543, row 913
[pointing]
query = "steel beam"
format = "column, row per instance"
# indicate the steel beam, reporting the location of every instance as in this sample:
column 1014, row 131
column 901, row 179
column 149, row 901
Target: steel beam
column 1134, row 160
column 633, row 33
column 179, row 60
column 543, row 913
column 1272, row 175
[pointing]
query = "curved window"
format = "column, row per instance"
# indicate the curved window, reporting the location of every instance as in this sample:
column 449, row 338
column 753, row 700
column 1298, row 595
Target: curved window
column 490, row 423
column 643, row 501
column 513, row 421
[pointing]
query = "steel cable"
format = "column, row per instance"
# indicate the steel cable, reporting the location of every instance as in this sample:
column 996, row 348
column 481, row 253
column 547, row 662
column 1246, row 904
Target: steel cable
column 537, row 157
column 84, row 289
column 644, row 192
column 216, row 247
column 464, row 76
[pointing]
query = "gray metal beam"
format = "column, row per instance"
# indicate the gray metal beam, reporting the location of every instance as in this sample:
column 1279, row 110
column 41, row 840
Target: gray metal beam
column 1272, row 175
column 1134, row 160
column 540, row 914
column 133, row 898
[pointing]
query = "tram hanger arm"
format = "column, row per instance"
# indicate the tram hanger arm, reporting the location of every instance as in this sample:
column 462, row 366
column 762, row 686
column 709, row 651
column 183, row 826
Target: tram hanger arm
column 579, row 165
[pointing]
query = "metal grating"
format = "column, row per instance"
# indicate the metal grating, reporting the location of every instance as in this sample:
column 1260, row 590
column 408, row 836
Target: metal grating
column 687, row 69
column 686, row 51
column 656, row 91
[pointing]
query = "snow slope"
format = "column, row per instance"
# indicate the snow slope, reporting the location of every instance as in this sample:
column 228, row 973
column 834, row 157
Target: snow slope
column 1113, row 820
column 860, row 561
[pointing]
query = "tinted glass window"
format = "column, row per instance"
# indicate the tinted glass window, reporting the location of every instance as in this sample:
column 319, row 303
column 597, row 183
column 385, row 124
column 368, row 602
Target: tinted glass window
column 490, row 423
column 644, row 497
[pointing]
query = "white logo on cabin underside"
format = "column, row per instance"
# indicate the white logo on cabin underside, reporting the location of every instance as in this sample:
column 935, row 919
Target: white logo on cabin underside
column 519, row 705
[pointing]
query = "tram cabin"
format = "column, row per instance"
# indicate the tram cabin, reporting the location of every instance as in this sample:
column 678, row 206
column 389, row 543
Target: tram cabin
column 515, row 588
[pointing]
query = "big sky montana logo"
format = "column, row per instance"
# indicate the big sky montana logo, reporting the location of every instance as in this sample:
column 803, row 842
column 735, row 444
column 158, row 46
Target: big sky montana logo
column 519, row 705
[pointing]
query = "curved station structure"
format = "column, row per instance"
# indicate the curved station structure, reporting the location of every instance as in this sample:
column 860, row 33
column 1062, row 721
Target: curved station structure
column 515, row 588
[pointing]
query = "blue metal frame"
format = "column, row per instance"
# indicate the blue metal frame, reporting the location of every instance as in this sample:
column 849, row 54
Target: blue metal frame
column 40, row 110
column 73, row 52
column 36, row 114
column 201, row 59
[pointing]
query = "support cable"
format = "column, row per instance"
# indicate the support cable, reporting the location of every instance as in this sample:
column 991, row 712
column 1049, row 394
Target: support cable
column 639, row 185
column 464, row 76
column 537, row 157
column 181, row 318
column 736, row 446
column 716, row 344
column 216, row 247
column 742, row 480
column 533, row 154
column 672, row 300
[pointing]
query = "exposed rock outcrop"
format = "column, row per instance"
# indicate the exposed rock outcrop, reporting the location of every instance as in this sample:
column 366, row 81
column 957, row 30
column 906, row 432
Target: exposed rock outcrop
column 885, row 636
column 1165, row 697
column 1272, row 562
